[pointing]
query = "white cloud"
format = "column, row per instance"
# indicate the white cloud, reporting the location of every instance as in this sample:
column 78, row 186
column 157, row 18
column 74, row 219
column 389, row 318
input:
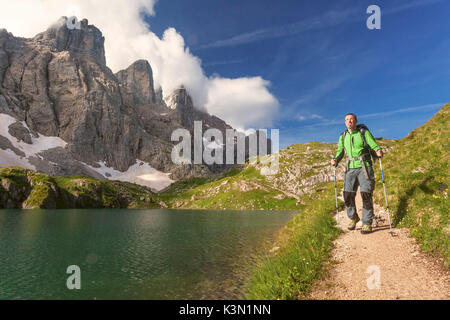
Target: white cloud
column 308, row 117
column 128, row 38
column 243, row 102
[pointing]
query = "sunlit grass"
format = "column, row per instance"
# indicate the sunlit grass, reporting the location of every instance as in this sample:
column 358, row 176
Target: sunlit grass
column 305, row 246
column 417, row 180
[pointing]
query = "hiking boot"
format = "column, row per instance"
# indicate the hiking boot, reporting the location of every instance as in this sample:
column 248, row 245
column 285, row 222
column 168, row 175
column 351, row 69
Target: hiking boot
column 353, row 222
column 366, row 228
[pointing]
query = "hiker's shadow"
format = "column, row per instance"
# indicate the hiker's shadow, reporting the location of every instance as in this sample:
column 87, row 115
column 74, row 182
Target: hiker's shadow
column 381, row 228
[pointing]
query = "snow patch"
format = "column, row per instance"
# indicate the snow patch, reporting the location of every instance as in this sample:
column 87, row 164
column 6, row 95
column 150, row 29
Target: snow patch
column 9, row 158
column 39, row 144
column 140, row 173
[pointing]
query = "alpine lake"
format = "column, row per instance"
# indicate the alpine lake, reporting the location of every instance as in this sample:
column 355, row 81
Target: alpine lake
column 132, row 254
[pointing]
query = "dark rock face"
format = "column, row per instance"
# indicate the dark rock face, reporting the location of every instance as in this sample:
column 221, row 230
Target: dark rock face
column 136, row 84
column 183, row 110
column 6, row 144
column 20, row 132
column 12, row 195
column 59, row 84
column 60, row 162
column 86, row 40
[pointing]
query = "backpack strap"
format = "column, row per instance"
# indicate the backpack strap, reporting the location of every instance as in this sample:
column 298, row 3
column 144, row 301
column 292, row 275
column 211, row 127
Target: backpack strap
column 362, row 129
column 368, row 152
column 343, row 152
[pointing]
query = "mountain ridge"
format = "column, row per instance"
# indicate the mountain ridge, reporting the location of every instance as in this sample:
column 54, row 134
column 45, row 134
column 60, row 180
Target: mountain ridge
column 57, row 84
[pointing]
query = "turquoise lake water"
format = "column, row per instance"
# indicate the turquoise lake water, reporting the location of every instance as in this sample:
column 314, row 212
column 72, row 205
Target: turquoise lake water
column 132, row 254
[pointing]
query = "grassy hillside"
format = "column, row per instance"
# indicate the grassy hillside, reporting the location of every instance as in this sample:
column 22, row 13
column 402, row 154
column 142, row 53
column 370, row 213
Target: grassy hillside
column 24, row 188
column 417, row 180
column 302, row 168
column 241, row 189
column 245, row 188
column 303, row 248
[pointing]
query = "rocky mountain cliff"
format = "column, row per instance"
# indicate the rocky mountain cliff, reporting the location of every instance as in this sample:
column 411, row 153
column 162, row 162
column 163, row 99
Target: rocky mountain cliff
column 57, row 84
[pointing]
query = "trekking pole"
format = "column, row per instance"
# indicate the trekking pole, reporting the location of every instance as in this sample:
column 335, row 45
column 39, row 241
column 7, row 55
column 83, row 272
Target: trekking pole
column 385, row 197
column 335, row 195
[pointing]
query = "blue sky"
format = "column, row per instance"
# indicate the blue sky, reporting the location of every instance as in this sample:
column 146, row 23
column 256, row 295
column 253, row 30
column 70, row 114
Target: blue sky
column 322, row 61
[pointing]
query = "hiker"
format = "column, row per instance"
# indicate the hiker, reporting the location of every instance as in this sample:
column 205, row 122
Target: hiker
column 358, row 143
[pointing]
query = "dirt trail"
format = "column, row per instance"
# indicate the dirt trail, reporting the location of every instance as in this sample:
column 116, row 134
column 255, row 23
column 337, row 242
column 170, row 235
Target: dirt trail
column 404, row 271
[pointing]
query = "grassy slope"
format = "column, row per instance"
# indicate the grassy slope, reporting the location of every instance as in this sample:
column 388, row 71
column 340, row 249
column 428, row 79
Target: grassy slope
column 305, row 246
column 417, row 180
column 244, row 187
column 301, row 168
column 29, row 189
column 239, row 189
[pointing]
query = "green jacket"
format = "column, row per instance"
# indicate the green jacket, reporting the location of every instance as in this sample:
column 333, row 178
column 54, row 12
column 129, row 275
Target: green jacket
column 354, row 147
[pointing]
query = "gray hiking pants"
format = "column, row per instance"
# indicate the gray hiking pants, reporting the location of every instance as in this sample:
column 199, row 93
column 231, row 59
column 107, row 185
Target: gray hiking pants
column 353, row 179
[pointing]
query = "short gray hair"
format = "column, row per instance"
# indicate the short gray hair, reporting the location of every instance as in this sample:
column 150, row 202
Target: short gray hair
column 351, row 114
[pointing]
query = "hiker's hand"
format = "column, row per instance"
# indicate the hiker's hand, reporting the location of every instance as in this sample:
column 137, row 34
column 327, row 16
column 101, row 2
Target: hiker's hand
column 379, row 153
column 333, row 162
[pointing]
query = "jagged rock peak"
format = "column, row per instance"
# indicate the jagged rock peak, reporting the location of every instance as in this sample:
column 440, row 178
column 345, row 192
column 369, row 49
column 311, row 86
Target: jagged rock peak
column 179, row 98
column 159, row 96
column 136, row 83
column 4, row 34
column 81, row 38
column 57, row 84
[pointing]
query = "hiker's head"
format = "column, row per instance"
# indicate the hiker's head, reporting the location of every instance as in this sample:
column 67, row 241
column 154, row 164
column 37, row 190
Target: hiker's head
column 351, row 121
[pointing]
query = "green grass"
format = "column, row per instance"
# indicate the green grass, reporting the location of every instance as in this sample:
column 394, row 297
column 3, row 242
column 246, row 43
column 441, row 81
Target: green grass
column 253, row 199
column 43, row 188
column 242, row 188
column 14, row 174
column 305, row 245
column 36, row 190
column 417, row 180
